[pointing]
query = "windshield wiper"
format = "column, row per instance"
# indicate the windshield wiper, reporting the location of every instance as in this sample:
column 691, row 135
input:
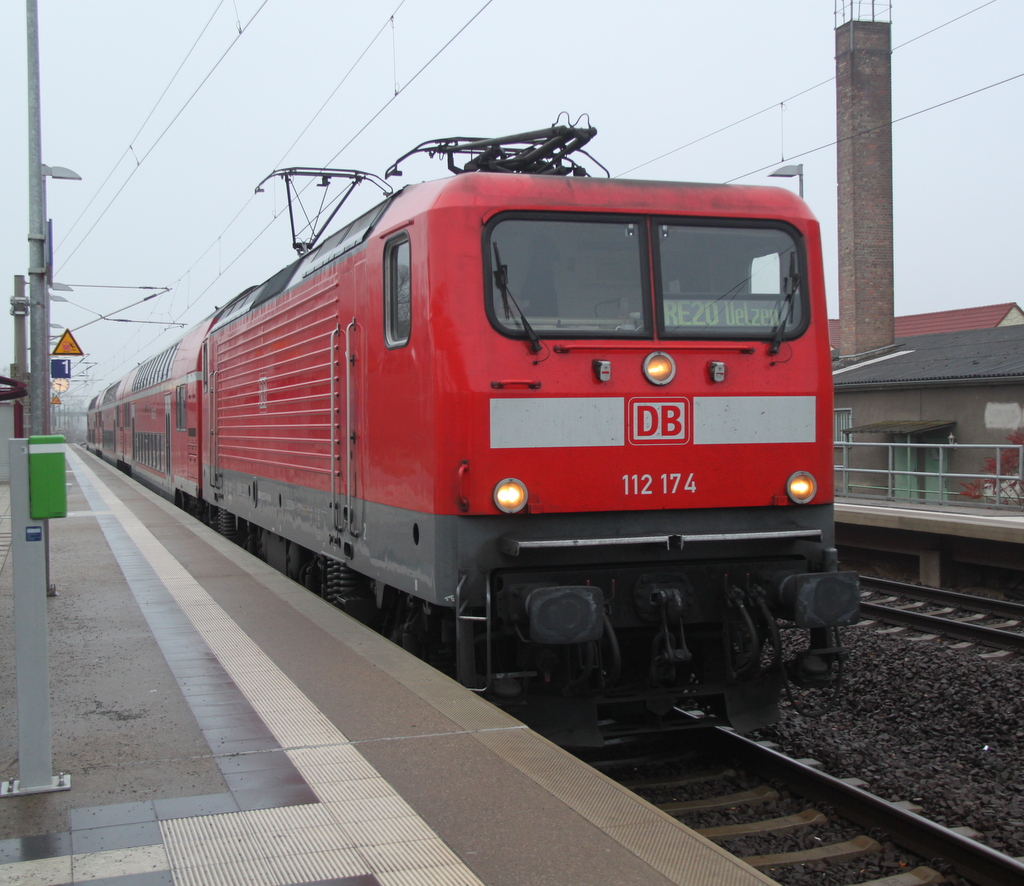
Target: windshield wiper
column 789, row 284
column 501, row 281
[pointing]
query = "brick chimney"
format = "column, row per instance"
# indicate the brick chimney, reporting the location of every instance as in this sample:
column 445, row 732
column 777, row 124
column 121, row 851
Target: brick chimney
column 864, row 132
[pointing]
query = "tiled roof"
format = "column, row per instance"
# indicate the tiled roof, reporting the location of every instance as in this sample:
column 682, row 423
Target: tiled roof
column 984, row 317
column 946, row 356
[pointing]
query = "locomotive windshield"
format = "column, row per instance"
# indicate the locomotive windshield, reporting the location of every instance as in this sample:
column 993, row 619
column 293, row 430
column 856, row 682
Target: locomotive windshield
column 563, row 277
column 568, row 276
column 726, row 281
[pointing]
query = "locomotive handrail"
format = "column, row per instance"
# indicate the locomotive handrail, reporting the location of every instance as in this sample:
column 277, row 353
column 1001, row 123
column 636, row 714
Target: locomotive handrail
column 514, row 546
column 349, row 447
column 211, row 390
column 533, row 385
column 646, row 344
column 463, row 470
column 459, row 609
column 332, row 348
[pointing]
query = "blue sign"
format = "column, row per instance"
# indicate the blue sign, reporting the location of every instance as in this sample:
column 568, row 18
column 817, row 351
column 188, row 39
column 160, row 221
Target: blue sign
column 60, row 368
column 33, row 533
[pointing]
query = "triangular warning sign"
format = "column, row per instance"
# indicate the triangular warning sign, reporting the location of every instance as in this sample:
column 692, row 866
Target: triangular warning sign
column 67, row 346
column 55, row 401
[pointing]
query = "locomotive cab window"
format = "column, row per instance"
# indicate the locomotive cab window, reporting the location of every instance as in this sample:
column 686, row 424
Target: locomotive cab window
column 728, row 281
column 567, row 276
column 397, row 292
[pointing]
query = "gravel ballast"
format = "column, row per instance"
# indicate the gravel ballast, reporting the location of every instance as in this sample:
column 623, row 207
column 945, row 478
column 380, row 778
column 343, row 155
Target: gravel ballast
column 925, row 722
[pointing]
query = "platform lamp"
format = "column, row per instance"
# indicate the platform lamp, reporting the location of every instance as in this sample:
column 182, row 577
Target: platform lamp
column 40, row 264
column 59, row 287
column 796, row 169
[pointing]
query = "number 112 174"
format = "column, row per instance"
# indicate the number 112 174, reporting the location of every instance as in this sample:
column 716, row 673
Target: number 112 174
column 663, row 484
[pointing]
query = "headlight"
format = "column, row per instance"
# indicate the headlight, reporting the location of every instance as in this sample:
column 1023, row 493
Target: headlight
column 510, row 495
column 659, row 368
column 801, row 487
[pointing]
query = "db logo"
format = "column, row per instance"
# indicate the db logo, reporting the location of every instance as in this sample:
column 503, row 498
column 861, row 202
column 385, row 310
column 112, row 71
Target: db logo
column 658, row 421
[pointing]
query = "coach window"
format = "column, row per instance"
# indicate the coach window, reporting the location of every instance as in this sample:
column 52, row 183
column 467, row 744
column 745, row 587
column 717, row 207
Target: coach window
column 397, row 292
column 180, row 402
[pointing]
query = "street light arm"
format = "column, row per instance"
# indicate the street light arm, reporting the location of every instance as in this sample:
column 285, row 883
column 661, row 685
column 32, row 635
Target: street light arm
column 61, row 172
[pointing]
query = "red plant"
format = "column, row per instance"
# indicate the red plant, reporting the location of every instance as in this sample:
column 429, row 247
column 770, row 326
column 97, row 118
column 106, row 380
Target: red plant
column 1010, row 491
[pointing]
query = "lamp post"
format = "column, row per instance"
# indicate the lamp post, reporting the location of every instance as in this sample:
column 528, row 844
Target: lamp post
column 39, row 304
column 797, row 169
column 39, row 273
column 39, row 270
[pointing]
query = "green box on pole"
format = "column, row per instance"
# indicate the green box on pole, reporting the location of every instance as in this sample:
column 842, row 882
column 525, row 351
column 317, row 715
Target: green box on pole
column 47, row 477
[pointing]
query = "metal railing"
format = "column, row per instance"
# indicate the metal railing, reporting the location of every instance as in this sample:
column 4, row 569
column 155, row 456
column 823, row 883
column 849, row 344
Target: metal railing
column 861, row 10
column 903, row 479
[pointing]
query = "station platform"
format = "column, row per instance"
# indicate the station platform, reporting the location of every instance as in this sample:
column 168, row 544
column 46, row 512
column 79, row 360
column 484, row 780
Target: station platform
column 222, row 725
column 962, row 522
column 936, row 534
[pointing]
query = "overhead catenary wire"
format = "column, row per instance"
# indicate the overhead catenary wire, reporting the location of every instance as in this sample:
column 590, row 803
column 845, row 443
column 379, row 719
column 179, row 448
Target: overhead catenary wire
column 140, row 160
column 892, row 122
column 190, row 301
column 730, row 181
column 399, row 89
column 363, row 128
column 943, row 25
column 409, row 82
column 738, row 178
column 131, row 144
column 359, row 132
column 803, row 92
column 773, row 106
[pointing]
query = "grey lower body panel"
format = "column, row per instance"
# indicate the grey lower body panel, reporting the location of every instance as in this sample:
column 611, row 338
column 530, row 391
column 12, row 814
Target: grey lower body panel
column 427, row 555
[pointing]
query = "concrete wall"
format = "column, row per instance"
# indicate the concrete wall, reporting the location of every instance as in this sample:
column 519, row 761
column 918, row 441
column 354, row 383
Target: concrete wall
column 984, row 413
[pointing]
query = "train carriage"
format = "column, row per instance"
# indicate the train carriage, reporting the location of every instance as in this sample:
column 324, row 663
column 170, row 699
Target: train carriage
column 569, row 439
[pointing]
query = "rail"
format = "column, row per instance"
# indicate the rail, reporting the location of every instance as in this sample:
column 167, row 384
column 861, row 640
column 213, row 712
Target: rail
column 924, row 472
column 977, row 862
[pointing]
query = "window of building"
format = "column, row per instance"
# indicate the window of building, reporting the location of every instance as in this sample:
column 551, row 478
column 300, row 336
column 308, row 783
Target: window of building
column 842, row 420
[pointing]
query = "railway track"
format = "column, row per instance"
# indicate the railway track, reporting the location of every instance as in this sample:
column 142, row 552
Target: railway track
column 898, row 822
column 1003, row 635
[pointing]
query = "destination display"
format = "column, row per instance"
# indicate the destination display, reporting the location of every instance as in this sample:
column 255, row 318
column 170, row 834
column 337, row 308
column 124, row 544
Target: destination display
column 708, row 313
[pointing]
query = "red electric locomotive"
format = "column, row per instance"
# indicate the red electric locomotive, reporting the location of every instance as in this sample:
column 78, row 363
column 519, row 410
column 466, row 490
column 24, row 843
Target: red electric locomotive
column 568, row 438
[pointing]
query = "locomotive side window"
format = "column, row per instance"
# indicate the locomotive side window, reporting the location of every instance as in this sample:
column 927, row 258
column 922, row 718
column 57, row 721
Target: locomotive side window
column 397, row 292
column 728, row 281
column 568, row 276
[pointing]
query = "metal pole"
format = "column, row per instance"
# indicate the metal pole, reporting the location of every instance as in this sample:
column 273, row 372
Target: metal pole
column 39, row 307
column 35, row 757
column 39, row 321
column 19, row 310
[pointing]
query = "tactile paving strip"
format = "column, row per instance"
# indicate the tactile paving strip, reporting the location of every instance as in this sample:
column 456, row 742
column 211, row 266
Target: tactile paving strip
column 293, row 844
column 673, row 850
column 662, row 842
